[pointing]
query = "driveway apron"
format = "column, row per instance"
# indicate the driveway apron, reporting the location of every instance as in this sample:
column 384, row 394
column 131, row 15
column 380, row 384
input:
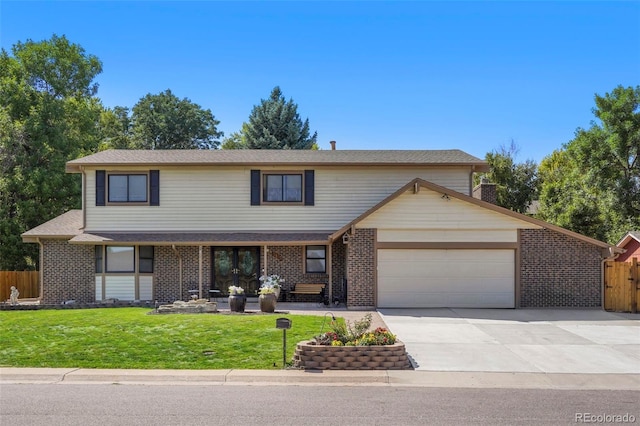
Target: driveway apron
column 519, row 340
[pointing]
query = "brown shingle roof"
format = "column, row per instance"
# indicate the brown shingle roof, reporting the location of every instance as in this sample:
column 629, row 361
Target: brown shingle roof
column 66, row 225
column 208, row 238
column 278, row 157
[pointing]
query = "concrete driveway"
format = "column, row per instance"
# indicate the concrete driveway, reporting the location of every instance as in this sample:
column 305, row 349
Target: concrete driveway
column 519, row 340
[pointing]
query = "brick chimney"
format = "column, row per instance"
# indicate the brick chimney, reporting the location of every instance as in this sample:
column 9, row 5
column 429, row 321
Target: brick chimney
column 333, row 145
column 486, row 191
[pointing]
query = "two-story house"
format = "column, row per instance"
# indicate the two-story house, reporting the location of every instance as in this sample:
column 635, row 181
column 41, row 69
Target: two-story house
column 381, row 228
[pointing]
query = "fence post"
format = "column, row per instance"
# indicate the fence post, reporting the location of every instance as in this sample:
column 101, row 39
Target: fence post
column 634, row 284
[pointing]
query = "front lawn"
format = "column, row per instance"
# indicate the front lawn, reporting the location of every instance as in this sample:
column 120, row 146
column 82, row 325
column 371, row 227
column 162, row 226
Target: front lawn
column 130, row 338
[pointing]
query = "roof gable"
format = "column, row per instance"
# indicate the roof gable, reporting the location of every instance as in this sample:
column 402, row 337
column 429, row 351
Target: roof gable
column 630, row 236
column 416, row 185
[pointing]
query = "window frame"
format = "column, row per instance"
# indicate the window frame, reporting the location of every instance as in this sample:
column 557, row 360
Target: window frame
column 307, row 258
column 128, row 175
column 263, row 187
column 102, row 260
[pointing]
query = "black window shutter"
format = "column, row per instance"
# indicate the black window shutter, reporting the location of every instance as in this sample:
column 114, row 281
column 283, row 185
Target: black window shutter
column 100, row 187
column 154, row 177
column 309, row 188
column 255, row 187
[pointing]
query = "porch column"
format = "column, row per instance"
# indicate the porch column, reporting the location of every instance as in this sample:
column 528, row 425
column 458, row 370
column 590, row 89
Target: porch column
column 330, row 270
column 265, row 251
column 200, row 271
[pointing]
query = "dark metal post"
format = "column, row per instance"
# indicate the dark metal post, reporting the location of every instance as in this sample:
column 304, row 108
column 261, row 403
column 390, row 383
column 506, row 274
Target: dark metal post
column 284, row 348
column 284, row 324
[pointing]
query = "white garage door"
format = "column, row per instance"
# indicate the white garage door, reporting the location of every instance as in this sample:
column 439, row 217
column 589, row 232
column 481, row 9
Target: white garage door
column 426, row 278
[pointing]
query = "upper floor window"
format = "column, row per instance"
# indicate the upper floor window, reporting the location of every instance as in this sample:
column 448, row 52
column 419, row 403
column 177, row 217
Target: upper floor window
column 120, row 188
column 129, row 188
column 282, row 188
column 290, row 187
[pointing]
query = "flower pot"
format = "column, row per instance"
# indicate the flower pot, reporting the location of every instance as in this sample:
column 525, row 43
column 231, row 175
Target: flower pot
column 237, row 302
column 268, row 302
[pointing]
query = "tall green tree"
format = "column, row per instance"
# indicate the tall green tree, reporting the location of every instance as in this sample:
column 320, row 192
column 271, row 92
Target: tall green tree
column 598, row 190
column 48, row 116
column 276, row 124
column 116, row 129
column 516, row 183
column 164, row 121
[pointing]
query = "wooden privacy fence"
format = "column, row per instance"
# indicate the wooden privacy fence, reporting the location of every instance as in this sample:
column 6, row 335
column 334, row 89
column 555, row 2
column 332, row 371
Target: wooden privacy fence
column 26, row 282
column 621, row 292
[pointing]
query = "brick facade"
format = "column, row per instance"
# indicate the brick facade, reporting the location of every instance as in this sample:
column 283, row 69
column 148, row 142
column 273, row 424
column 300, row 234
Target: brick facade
column 166, row 276
column 68, row 272
column 289, row 263
column 557, row 270
column 361, row 268
column 486, row 192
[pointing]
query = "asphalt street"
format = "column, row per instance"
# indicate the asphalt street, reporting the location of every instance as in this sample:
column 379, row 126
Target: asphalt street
column 108, row 404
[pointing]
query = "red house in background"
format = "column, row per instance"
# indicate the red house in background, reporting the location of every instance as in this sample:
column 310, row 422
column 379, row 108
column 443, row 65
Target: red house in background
column 631, row 243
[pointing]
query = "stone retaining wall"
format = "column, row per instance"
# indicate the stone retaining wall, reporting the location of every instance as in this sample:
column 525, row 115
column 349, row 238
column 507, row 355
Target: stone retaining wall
column 319, row 357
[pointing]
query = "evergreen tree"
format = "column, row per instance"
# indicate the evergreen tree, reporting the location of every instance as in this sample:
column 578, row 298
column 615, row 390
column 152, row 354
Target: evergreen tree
column 276, row 124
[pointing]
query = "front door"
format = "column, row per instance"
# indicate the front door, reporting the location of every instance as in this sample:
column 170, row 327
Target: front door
column 237, row 266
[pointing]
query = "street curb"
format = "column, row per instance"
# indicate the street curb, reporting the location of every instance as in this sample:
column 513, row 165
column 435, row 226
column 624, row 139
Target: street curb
column 396, row 378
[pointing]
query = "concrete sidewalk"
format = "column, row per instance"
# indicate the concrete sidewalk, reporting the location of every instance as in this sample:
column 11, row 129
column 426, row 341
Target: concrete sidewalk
column 393, row 378
column 525, row 348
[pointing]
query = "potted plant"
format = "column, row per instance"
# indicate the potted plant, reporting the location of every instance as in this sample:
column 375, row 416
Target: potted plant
column 272, row 281
column 237, row 299
column 267, row 298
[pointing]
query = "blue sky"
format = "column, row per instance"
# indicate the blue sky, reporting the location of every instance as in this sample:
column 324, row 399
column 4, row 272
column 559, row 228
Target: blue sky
column 370, row 75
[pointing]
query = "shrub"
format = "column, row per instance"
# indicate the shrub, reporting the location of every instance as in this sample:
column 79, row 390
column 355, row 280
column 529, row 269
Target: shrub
column 343, row 333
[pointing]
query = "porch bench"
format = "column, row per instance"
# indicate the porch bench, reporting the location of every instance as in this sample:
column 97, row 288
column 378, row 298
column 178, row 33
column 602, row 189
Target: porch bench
column 311, row 289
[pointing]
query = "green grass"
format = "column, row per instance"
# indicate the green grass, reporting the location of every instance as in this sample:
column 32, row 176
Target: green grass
column 130, row 338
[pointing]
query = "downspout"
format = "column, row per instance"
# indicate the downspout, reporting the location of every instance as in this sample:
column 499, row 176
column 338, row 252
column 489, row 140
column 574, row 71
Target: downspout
column 41, row 274
column 175, row 250
column 84, row 197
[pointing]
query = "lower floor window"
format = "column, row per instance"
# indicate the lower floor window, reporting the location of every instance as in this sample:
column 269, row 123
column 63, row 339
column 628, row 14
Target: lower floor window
column 120, row 259
column 316, row 259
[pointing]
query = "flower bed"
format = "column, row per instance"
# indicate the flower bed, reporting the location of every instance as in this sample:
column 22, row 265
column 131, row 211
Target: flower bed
column 310, row 355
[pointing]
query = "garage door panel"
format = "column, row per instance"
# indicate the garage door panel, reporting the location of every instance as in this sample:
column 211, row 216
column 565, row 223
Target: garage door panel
column 446, row 278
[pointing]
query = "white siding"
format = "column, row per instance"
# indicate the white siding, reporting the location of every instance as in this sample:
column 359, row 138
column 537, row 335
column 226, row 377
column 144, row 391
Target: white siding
column 99, row 295
column 121, row 287
column 218, row 199
column 428, row 210
column 146, row 287
column 446, row 278
column 447, row 235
